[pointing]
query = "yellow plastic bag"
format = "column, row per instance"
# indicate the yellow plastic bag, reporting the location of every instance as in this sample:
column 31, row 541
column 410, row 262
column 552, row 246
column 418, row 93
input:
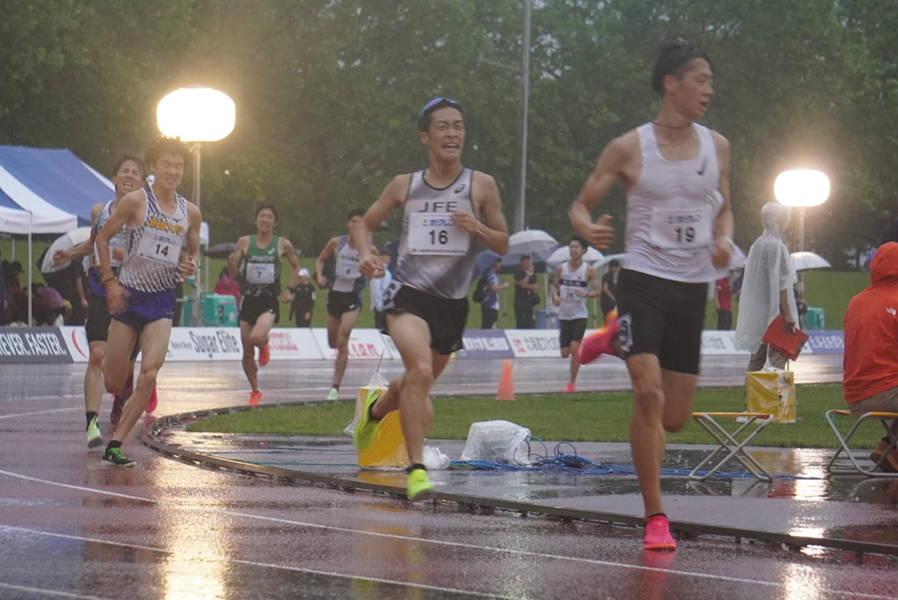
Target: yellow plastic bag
column 388, row 449
column 771, row 392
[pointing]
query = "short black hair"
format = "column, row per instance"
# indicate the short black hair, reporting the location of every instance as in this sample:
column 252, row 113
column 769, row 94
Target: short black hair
column 123, row 158
column 580, row 240
column 355, row 212
column 614, row 263
column 166, row 145
column 270, row 207
column 433, row 105
column 674, row 59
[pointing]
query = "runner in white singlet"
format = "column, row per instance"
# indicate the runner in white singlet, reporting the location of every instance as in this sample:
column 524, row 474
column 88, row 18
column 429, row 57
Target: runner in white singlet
column 344, row 300
column 675, row 174
column 159, row 222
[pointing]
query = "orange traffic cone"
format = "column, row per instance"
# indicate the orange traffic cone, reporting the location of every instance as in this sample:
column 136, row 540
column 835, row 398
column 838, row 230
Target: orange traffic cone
column 506, row 382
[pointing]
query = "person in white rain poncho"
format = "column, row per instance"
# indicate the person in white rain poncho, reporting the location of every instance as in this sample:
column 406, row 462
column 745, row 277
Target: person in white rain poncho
column 766, row 288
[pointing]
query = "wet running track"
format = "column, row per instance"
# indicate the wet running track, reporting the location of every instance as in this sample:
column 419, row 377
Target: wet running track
column 71, row 527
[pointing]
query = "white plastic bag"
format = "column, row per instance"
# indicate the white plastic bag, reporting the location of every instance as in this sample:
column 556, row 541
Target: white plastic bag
column 435, row 460
column 499, row 441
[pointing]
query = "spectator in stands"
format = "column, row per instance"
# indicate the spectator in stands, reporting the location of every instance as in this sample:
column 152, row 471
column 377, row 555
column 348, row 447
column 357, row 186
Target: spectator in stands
column 870, row 359
column 766, row 289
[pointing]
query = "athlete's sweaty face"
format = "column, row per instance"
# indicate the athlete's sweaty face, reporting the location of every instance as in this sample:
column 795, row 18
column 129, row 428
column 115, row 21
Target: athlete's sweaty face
column 576, row 250
column 168, row 170
column 265, row 221
column 128, row 178
column 446, row 136
column 693, row 91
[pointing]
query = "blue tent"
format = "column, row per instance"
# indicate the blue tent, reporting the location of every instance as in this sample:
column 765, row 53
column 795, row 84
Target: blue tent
column 47, row 190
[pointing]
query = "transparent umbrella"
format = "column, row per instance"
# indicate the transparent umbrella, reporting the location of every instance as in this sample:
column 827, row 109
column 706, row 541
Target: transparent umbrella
column 530, row 241
column 64, row 242
column 805, row 261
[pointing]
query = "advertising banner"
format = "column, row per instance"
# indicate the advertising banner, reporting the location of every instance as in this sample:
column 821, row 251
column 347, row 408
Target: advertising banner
column 534, row 343
column 485, row 343
column 293, row 344
column 363, row 343
column 825, row 342
column 32, row 345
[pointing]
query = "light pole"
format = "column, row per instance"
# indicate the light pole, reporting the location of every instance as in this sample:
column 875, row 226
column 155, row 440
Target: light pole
column 799, row 189
column 196, row 114
column 523, row 72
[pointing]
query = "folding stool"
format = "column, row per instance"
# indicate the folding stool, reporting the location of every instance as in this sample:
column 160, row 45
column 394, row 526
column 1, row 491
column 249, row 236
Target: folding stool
column 730, row 446
column 882, row 417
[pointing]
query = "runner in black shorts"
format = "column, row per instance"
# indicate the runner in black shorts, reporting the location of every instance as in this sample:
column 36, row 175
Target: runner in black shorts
column 344, row 299
column 676, row 177
column 258, row 261
column 426, row 303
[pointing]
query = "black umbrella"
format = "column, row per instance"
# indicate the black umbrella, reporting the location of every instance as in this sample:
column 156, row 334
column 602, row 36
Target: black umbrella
column 221, row 250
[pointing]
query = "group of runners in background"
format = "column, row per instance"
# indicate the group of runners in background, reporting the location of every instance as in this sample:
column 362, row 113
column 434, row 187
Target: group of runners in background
column 677, row 238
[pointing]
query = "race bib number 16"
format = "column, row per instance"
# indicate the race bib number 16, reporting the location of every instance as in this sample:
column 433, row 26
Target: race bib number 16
column 436, row 233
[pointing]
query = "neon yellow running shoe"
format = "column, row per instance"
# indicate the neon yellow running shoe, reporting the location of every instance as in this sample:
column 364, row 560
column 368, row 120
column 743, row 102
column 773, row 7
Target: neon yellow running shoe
column 366, row 429
column 419, row 486
column 94, row 437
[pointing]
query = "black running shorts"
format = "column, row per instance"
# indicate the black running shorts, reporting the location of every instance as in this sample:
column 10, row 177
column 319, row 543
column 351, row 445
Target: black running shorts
column 446, row 317
column 98, row 318
column 253, row 307
column 571, row 330
column 661, row 317
column 339, row 303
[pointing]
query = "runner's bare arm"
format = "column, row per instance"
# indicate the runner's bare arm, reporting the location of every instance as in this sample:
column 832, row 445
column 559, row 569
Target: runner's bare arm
column 329, row 249
column 556, row 299
column 491, row 227
column 191, row 240
column 288, row 252
column 723, row 224
column 236, row 257
column 130, row 207
column 87, row 246
column 611, row 166
column 392, row 196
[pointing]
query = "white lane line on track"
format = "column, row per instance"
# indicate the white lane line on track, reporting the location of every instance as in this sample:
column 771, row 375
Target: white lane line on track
column 519, row 553
column 47, row 592
column 251, row 563
column 40, row 412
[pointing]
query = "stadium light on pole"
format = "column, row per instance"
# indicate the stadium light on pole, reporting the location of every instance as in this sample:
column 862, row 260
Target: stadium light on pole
column 196, row 114
column 799, row 189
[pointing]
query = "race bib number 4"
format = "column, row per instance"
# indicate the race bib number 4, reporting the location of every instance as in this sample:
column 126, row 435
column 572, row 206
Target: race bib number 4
column 260, row 273
column 436, row 233
column 160, row 247
column 686, row 228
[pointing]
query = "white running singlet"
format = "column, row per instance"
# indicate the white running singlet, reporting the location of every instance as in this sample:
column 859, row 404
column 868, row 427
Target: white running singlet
column 154, row 247
column 572, row 305
column 671, row 211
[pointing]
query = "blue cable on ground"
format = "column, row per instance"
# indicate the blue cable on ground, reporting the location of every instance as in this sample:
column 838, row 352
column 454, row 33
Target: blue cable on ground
column 572, row 463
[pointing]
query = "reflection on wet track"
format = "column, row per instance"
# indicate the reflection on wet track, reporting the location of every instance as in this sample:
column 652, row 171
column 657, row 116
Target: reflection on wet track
column 71, row 527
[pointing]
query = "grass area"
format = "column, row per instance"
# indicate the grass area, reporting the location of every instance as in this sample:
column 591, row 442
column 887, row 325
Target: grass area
column 570, row 417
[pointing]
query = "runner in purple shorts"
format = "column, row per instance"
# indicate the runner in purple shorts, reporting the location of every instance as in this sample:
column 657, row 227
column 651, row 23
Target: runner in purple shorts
column 141, row 298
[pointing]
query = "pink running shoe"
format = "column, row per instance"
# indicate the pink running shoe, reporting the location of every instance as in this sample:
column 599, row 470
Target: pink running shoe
column 264, row 355
column 254, row 398
column 570, row 388
column 154, row 400
column 657, row 534
column 601, row 343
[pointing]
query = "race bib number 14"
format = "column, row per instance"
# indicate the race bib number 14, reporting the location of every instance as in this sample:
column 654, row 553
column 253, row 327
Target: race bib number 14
column 436, row 233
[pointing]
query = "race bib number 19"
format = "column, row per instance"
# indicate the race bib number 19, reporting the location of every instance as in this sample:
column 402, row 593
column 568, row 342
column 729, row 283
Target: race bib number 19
column 436, row 233
column 686, row 228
